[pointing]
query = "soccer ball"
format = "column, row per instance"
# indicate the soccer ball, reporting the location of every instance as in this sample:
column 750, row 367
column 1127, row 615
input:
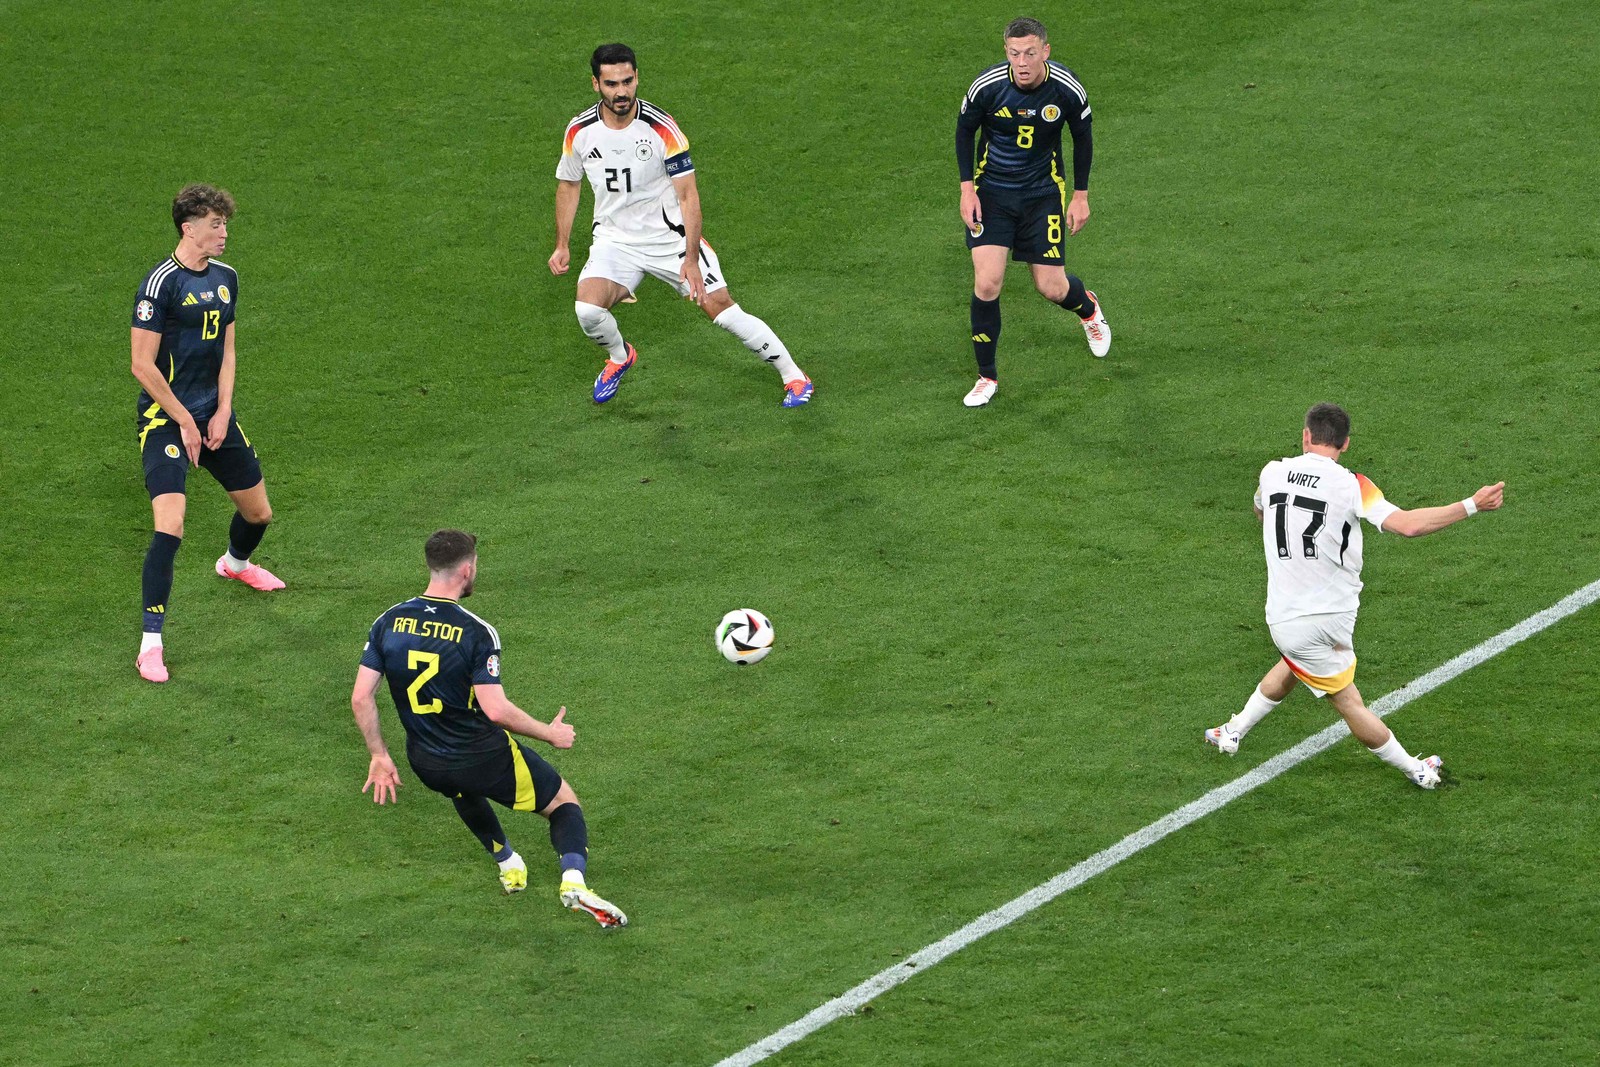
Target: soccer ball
column 743, row 636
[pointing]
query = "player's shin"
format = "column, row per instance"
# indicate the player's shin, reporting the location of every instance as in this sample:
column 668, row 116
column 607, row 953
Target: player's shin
column 1077, row 299
column 1255, row 709
column 986, row 335
column 484, row 824
column 758, row 337
column 157, row 582
column 569, row 836
column 601, row 327
column 243, row 539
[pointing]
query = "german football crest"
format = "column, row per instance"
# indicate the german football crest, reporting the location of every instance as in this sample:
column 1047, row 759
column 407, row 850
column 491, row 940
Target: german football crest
column 145, row 311
column 641, row 151
column 222, row 291
column 1050, row 113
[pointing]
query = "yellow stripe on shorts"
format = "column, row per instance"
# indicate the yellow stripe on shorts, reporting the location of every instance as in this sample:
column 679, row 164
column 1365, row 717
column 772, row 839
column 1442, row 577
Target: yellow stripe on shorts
column 526, row 801
column 1330, row 684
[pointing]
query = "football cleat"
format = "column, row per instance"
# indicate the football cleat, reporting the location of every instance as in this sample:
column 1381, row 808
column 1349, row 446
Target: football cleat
column 606, row 385
column 1224, row 737
column 151, row 668
column 797, row 392
column 579, row 898
column 253, row 576
column 514, row 876
column 1427, row 775
column 1097, row 330
column 981, row 393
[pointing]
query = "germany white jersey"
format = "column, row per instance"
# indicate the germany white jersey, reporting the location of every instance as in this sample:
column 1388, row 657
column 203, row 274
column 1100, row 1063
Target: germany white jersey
column 631, row 172
column 1311, row 531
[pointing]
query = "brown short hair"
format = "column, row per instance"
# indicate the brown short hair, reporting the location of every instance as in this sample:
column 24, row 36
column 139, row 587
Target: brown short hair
column 197, row 200
column 1027, row 28
column 1329, row 425
column 449, row 548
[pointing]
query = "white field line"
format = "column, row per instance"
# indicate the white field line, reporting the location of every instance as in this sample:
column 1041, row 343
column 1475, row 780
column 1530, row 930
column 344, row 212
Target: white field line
column 848, row 1003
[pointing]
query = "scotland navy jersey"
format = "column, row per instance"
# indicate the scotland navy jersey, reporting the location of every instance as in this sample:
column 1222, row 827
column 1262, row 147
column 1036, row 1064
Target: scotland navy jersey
column 191, row 310
column 1019, row 132
column 433, row 651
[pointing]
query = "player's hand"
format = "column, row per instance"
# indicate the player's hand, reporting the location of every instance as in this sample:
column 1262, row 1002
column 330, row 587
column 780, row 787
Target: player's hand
column 1490, row 497
column 217, row 430
column 191, row 441
column 971, row 209
column 561, row 735
column 560, row 260
column 1077, row 211
column 690, row 273
column 382, row 779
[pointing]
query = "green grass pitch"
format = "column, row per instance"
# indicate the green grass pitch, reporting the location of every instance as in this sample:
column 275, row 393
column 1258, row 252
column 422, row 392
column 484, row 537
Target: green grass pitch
column 1000, row 632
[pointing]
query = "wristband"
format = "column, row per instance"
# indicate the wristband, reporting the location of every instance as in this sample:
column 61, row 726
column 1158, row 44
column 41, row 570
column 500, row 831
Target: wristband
column 1472, row 509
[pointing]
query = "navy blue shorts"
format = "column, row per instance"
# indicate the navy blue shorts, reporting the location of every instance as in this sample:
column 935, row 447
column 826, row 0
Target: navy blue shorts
column 1030, row 224
column 166, row 467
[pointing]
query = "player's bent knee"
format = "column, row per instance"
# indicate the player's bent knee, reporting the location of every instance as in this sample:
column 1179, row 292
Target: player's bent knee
column 564, row 795
column 590, row 316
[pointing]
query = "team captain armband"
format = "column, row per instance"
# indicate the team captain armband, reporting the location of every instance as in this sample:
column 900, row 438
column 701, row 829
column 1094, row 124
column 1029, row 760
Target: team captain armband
column 679, row 164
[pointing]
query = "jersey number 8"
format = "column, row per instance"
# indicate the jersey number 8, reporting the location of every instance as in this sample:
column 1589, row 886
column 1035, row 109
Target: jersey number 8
column 1024, row 136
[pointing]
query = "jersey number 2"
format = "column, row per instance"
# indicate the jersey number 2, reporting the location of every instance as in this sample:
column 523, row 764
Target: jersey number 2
column 429, row 661
column 612, row 174
column 1279, row 502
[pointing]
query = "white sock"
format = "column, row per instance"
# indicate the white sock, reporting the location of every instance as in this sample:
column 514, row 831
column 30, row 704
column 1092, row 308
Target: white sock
column 237, row 566
column 149, row 641
column 1394, row 754
column 1255, row 709
column 573, row 877
column 511, row 861
column 601, row 326
column 758, row 337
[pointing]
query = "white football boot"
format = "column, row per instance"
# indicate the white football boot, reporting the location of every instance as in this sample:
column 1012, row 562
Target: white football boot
column 981, row 393
column 1224, row 737
column 1097, row 330
column 1427, row 775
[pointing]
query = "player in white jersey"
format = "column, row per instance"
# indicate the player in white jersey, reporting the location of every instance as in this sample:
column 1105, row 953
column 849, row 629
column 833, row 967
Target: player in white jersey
column 1311, row 509
column 646, row 221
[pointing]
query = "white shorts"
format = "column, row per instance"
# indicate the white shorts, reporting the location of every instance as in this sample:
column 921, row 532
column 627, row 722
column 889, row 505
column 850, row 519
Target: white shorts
column 628, row 264
column 1319, row 649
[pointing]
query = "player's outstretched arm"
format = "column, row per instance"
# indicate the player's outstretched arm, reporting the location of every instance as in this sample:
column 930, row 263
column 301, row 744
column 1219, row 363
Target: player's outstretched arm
column 1419, row 522
column 382, row 776
column 567, row 196
column 500, row 711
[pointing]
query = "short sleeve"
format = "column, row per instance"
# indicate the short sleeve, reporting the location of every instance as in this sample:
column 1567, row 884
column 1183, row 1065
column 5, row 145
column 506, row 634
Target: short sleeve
column 372, row 651
column 232, row 302
column 1372, row 506
column 486, row 662
column 569, row 168
column 150, row 306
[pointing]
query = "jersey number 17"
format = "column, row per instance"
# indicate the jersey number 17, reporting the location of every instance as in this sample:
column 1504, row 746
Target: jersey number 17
column 1279, row 503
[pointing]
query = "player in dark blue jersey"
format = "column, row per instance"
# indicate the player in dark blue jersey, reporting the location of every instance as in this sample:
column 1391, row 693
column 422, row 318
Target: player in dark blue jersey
column 443, row 666
column 183, row 357
column 1013, row 193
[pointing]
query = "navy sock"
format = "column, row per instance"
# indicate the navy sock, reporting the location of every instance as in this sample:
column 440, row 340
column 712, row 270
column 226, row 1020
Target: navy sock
column 158, row 579
column 985, row 334
column 569, row 834
column 1077, row 298
column 243, row 537
column 485, row 825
